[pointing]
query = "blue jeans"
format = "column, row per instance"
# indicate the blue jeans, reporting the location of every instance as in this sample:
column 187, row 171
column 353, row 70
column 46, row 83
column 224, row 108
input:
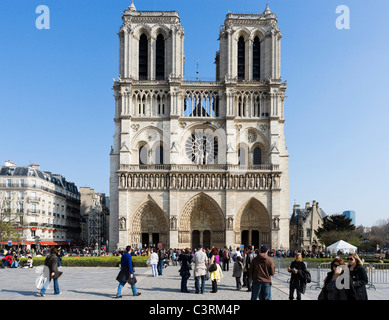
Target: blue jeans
column 261, row 290
column 56, row 286
column 154, row 269
column 160, row 267
column 197, row 284
column 120, row 287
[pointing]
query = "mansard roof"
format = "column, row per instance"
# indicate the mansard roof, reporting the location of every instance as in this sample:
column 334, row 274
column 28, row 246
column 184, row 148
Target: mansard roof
column 56, row 179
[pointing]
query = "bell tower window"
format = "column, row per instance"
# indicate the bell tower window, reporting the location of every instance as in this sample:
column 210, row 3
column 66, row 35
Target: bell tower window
column 256, row 59
column 241, row 58
column 143, row 56
column 160, row 58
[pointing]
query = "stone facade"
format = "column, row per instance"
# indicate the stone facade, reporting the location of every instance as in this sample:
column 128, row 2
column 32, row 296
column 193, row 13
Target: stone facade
column 95, row 213
column 199, row 161
column 303, row 224
column 43, row 206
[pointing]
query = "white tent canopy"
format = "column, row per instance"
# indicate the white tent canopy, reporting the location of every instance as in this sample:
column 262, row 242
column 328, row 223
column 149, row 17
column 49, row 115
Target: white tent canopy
column 343, row 246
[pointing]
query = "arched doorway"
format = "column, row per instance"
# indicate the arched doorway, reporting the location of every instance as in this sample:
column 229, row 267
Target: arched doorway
column 149, row 226
column 201, row 222
column 253, row 224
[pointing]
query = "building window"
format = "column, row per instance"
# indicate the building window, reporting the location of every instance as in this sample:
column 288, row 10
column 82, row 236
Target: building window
column 256, row 59
column 241, row 58
column 202, row 148
column 161, row 106
column 241, row 156
column 9, row 183
column 143, row 57
column 143, row 154
column 257, row 156
column 159, row 155
column 160, row 58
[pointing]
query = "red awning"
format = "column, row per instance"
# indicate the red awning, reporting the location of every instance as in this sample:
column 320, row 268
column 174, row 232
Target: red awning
column 34, row 229
column 48, row 243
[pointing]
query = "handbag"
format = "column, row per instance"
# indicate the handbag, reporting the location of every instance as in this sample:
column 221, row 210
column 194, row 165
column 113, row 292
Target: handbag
column 132, row 280
column 213, row 267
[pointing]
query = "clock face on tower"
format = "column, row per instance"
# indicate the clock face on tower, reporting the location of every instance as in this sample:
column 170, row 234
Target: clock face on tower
column 201, row 148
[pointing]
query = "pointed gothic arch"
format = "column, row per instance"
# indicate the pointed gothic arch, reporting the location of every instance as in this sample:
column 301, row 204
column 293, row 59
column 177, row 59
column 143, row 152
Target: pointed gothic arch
column 201, row 214
column 149, row 219
column 253, row 224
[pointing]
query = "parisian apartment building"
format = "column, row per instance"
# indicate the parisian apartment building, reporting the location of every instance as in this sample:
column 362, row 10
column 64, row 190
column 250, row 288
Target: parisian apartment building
column 44, row 207
column 94, row 217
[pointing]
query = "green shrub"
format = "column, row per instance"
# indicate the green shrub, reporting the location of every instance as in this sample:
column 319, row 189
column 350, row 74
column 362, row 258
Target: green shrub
column 107, row 261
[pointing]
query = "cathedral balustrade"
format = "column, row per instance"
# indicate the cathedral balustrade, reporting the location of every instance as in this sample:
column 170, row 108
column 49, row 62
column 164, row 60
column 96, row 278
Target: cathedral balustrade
column 187, row 177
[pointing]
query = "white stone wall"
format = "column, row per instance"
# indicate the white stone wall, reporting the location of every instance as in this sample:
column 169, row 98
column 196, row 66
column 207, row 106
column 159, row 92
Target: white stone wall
column 267, row 196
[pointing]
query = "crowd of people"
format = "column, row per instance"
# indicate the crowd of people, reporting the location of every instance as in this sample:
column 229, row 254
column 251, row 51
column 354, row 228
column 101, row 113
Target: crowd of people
column 252, row 268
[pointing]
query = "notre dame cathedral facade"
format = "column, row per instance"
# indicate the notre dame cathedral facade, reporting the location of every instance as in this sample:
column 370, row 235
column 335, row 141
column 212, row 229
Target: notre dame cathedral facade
column 199, row 162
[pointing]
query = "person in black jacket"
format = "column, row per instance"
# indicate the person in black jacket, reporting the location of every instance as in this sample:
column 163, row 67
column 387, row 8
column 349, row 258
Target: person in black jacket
column 297, row 282
column 331, row 290
column 358, row 277
column 185, row 259
column 51, row 267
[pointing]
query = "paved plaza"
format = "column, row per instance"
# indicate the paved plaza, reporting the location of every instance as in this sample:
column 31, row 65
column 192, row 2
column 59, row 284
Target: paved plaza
column 97, row 283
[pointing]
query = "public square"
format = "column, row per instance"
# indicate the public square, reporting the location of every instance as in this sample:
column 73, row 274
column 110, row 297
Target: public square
column 97, row 283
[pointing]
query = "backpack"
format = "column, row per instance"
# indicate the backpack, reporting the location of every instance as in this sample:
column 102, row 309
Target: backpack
column 234, row 256
column 226, row 255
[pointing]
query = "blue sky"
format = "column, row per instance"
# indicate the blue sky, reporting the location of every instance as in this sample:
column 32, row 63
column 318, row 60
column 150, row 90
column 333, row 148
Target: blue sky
column 57, row 106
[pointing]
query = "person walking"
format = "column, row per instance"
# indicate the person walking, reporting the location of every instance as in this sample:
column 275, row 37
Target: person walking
column 226, row 259
column 248, row 258
column 237, row 272
column 154, row 262
column 200, row 270
column 161, row 257
column 358, row 277
column 236, row 254
column 261, row 270
column 298, row 271
column 60, row 255
column 126, row 274
column 215, row 271
column 330, row 291
column 51, row 268
column 185, row 259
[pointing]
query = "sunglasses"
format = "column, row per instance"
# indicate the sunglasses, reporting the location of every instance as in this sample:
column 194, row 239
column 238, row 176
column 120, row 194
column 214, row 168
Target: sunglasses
column 350, row 259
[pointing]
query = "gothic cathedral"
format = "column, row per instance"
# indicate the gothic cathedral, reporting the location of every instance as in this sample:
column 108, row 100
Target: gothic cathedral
column 199, row 162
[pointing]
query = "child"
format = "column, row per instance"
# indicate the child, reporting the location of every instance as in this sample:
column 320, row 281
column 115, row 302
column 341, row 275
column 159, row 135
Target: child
column 237, row 272
column 28, row 264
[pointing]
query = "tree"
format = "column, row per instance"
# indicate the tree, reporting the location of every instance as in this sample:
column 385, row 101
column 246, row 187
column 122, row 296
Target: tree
column 338, row 227
column 9, row 221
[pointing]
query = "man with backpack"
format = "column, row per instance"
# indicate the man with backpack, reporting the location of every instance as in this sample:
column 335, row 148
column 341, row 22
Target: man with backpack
column 226, row 259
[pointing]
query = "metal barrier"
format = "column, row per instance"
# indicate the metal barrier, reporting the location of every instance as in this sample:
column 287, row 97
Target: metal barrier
column 378, row 273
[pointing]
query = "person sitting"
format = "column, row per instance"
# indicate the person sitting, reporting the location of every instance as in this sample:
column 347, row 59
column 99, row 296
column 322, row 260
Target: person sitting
column 7, row 261
column 29, row 263
column 15, row 262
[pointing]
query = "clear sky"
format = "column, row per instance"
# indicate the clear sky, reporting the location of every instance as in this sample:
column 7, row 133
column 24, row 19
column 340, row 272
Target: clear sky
column 57, row 105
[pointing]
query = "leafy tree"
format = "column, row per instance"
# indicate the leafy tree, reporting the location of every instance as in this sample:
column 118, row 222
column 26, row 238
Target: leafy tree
column 338, row 227
column 9, row 222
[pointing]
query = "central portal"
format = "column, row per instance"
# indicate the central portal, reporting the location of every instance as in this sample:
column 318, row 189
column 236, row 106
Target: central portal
column 202, row 222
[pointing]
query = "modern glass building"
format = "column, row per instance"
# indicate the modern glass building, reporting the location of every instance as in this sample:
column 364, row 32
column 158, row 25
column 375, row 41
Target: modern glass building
column 351, row 215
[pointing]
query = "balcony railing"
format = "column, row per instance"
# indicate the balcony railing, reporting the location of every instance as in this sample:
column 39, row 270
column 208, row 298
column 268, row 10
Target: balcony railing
column 196, row 168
